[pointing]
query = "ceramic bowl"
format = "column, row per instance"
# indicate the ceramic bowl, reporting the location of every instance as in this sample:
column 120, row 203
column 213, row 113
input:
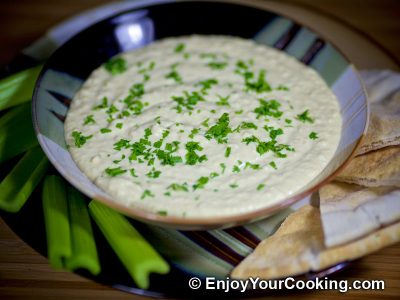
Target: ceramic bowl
column 66, row 70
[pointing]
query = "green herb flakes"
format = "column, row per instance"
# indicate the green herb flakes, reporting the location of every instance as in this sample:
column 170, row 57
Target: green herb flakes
column 179, row 48
column 116, row 65
column 115, row 171
column 200, row 183
column 305, row 117
column 260, row 187
column 228, row 151
column 313, row 135
column 80, row 139
column 147, row 193
column 89, row 120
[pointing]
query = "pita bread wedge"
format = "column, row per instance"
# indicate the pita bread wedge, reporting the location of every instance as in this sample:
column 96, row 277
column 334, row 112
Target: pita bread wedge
column 349, row 212
column 289, row 251
column 297, row 247
column 384, row 96
column 377, row 168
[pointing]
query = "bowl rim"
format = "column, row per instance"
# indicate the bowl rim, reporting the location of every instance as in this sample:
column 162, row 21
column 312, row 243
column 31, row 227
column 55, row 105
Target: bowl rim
column 203, row 223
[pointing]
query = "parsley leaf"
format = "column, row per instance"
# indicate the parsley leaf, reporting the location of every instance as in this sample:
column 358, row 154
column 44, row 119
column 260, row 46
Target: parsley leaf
column 220, row 130
column 115, row 171
column 147, row 193
column 116, row 65
column 313, row 135
column 89, row 120
column 268, row 108
column 79, row 139
column 305, row 117
column 200, row 183
column 179, row 48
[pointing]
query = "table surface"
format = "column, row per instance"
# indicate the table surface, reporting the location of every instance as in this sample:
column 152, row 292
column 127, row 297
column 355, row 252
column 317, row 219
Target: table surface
column 24, row 274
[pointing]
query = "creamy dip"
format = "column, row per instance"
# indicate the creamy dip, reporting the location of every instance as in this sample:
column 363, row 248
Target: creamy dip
column 203, row 126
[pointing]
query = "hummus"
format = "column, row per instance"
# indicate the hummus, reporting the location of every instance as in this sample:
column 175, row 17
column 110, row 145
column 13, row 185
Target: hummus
column 203, row 126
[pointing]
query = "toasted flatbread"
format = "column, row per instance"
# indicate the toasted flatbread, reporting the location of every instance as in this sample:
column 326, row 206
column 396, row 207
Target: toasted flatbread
column 384, row 96
column 298, row 247
column 349, row 212
column 377, row 168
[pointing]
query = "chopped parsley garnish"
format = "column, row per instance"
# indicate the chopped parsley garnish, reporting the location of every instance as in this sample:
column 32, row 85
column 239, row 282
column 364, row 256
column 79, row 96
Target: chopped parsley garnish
column 228, row 151
column 223, row 167
column 245, row 125
column 217, row 65
column 207, row 84
column 260, row 85
column 200, row 183
column 89, row 120
column 133, row 172
column 193, row 132
column 260, row 186
column 105, row 130
column 220, row 130
column 153, row 173
column 305, row 117
column 205, row 123
column 132, row 100
column 122, row 143
column 179, row 187
column 313, row 135
column 104, row 104
column 191, row 156
column 147, row 193
column 282, row 88
column 174, row 75
column 119, row 125
column 234, row 185
column 188, row 101
column 273, row 165
column 264, row 147
column 179, row 48
column 147, row 133
column 273, row 133
column 223, row 101
column 251, row 166
column 147, row 69
column 235, row 169
column 116, row 65
column 213, row 175
column 162, row 213
column 268, row 108
column 80, row 139
column 239, row 112
column 288, row 121
column 115, row 171
column 112, row 109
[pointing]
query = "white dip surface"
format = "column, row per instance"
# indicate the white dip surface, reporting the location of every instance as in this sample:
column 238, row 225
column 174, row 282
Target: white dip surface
column 154, row 127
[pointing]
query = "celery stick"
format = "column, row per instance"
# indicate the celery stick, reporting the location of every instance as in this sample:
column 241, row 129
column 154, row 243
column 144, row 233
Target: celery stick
column 55, row 209
column 18, row 185
column 135, row 253
column 18, row 88
column 84, row 253
column 16, row 132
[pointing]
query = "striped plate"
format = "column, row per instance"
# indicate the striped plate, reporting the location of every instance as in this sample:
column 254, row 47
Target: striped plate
column 203, row 253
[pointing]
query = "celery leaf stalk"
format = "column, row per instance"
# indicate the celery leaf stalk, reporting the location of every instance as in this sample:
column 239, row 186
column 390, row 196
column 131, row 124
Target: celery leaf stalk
column 55, row 210
column 18, row 88
column 84, row 252
column 136, row 254
column 17, row 134
column 18, row 185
